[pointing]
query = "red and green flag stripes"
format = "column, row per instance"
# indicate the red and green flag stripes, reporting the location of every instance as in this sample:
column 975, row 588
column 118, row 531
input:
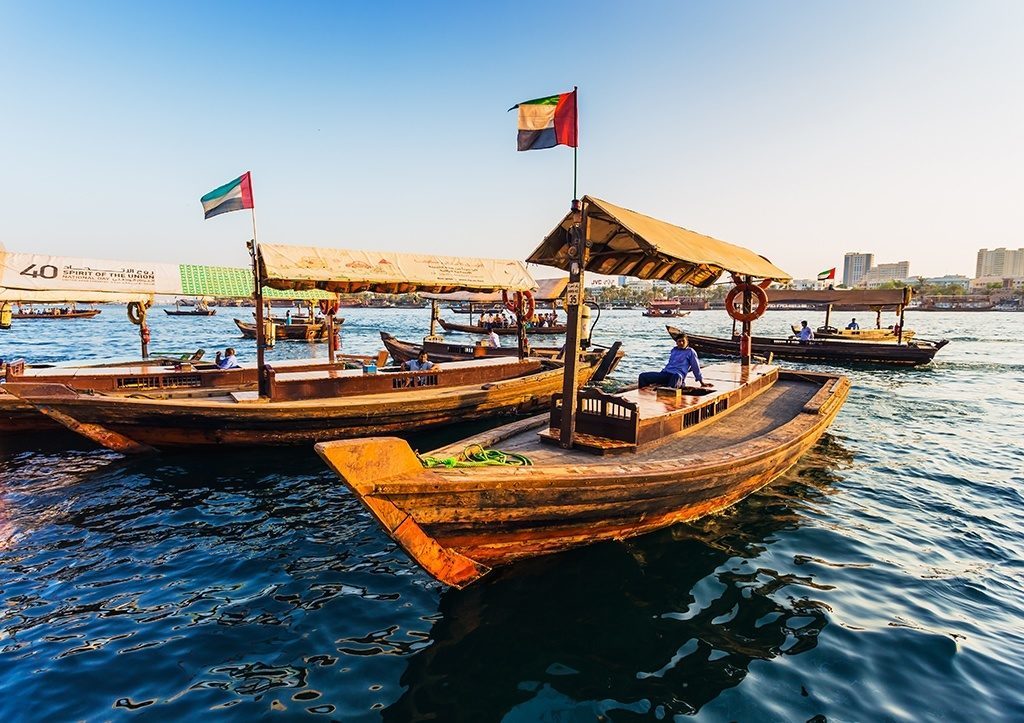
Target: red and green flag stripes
column 827, row 274
column 548, row 122
column 233, row 196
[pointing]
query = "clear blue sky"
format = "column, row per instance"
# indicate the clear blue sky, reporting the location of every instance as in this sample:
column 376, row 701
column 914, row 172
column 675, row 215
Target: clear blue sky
column 799, row 129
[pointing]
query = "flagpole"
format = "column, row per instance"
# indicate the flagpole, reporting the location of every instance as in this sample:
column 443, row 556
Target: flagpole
column 576, row 148
column 257, row 297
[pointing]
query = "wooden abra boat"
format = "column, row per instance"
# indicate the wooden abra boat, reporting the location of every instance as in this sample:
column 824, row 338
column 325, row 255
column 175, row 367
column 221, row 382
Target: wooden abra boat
column 602, row 467
column 499, row 330
column 830, row 332
column 306, row 332
column 303, row 406
column 439, row 351
column 820, row 351
column 664, row 459
column 56, row 314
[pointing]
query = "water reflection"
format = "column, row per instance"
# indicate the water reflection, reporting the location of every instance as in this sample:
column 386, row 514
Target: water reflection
column 661, row 625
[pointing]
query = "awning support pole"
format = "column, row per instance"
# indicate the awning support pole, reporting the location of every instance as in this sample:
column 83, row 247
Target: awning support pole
column 579, row 252
column 433, row 317
column 520, row 325
column 257, row 296
column 745, row 340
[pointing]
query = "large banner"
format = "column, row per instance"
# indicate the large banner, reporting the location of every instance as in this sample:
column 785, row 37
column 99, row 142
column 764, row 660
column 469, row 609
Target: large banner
column 40, row 277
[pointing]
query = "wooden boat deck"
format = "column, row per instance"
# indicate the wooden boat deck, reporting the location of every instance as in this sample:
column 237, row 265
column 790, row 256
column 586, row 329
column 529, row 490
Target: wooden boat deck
column 781, row 402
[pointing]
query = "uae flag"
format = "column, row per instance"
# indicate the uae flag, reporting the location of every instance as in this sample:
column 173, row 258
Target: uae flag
column 548, row 122
column 233, row 196
column 827, row 274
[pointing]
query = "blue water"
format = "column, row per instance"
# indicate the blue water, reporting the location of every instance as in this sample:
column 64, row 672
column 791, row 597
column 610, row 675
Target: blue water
column 880, row 579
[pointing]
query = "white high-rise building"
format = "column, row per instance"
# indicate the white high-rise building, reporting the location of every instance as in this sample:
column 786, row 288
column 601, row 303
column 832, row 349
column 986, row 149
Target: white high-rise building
column 884, row 273
column 855, row 265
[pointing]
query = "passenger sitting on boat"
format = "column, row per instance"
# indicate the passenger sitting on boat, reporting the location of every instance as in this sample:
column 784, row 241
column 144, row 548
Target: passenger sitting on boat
column 420, row 364
column 492, row 338
column 853, row 325
column 681, row 361
column 805, row 333
column 288, row 318
column 228, row 361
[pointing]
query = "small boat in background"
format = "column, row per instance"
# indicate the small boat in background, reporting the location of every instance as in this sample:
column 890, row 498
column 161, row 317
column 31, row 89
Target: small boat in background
column 56, row 313
column 316, row 331
column 198, row 309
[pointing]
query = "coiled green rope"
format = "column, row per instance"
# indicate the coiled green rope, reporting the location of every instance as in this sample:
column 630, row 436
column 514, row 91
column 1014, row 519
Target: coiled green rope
column 476, row 456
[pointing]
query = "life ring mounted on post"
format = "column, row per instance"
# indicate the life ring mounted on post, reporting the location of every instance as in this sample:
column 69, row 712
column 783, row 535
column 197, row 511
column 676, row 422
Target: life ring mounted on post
column 328, row 308
column 137, row 312
column 760, row 302
column 522, row 304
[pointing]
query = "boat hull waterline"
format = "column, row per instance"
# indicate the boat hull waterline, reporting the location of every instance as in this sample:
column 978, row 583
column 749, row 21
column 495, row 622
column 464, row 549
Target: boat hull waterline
column 140, row 425
column 819, row 351
column 459, row 523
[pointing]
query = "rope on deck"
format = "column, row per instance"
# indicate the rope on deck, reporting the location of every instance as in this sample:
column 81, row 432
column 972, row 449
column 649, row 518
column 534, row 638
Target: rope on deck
column 476, row 456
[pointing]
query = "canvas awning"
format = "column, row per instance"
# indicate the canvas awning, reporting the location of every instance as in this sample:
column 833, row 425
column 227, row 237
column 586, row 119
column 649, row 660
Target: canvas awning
column 548, row 290
column 842, row 298
column 627, row 243
column 47, row 278
column 20, row 296
column 350, row 271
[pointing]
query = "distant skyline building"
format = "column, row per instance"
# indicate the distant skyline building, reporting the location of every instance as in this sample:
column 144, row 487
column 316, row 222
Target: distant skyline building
column 1000, row 262
column 948, row 280
column 884, row 273
column 855, row 265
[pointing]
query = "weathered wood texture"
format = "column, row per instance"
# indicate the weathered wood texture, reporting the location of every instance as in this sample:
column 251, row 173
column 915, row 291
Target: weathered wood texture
column 820, row 350
column 483, row 517
column 501, row 331
column 301, row 332
column 359, row 408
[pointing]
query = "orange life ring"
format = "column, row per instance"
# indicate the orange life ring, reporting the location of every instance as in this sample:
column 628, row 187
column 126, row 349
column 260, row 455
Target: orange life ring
column 760, row 299
column 516, row 305
column 324, row 306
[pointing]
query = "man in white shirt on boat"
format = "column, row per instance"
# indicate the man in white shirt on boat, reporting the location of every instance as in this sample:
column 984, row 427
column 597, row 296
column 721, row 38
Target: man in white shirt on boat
column 492, row 338
column 805, row 333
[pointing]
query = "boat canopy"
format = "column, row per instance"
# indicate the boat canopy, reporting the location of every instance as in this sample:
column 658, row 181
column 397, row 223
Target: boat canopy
column 350, row 271
column 627, row 243
column 20, row 296
column 547, row 290
column 842, row 298
column 47, row 278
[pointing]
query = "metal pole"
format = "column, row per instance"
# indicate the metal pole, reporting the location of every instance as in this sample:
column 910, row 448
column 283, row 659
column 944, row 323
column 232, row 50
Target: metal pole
column 579, row 253
column 433, row 316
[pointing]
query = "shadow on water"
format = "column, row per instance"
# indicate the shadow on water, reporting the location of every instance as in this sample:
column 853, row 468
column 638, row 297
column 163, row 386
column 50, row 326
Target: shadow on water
column 659, row 625
column 253, row 581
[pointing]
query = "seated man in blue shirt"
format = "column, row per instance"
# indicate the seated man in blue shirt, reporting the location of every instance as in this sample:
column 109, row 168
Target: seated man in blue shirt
column 681, row 361
column 853, row 325
column 228, row 361
column 420, row 364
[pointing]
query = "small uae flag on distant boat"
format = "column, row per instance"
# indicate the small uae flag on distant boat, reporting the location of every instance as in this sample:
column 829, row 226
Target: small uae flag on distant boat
column 548, row 122
column 827, row 274
column 233, row 196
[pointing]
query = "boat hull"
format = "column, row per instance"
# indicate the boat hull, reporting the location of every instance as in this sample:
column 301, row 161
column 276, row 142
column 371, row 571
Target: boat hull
column 819, row 351
column 141, row 425
column 499, row 330
column 69, row 315
column 459, row 523
column 299, row 332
